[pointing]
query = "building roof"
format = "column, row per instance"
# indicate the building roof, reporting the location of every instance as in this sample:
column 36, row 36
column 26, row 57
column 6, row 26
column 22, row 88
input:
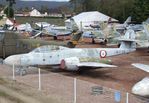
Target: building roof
column 88, row 18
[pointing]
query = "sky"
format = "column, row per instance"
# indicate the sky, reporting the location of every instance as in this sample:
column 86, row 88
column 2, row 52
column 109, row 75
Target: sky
column 44, row 0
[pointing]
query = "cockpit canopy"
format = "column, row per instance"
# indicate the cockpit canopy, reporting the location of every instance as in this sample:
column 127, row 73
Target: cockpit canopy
column 48, row 48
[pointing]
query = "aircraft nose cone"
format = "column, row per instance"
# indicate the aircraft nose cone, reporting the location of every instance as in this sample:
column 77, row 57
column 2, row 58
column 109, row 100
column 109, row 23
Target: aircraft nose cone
column 15, row 59
column 136, row 89
column 142, row 87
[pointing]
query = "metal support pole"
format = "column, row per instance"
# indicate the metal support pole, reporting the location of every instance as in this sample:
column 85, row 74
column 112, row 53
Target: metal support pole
column 13, row 77
column 39, row 85
column 75, row 90
column 127, row 97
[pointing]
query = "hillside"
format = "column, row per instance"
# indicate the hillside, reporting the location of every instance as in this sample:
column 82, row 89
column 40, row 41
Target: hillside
column 36, row 4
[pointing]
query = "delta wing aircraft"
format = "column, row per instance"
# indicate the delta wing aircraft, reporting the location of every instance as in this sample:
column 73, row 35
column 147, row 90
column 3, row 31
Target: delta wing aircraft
column 142, row 87
column 73, row 59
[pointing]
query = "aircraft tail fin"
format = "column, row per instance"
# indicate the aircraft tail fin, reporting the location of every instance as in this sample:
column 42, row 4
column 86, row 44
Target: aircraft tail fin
column 128, row 20
column 128, row 40
column 74, row 26
column 146, row 28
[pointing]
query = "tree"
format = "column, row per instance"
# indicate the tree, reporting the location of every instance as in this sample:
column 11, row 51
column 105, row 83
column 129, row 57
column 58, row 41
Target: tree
column 141, row 10
column 26, row 9
column 9, row 12
column 44, row 9
column 9, row 9
column 119, row 9
column 76, row 5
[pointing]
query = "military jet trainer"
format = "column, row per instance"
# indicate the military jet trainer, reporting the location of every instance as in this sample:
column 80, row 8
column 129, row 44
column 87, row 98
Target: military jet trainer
column 72, row 59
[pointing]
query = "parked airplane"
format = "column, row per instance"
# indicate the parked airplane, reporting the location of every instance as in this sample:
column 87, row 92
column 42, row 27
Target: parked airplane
column 124, row 25
column 14, row 43
column 142, row 87
column 72, row 59
column 142, row 37
column 107, row 34
column 24, row 27
column 54, row 31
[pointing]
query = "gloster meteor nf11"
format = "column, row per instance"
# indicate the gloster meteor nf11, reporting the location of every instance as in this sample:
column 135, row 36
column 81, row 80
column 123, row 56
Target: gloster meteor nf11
column 73, row 58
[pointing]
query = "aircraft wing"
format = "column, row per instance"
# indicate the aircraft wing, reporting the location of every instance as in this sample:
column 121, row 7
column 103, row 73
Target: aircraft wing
column 57, row 32
column 94, row 64
column 142, row 43
column 141, row 66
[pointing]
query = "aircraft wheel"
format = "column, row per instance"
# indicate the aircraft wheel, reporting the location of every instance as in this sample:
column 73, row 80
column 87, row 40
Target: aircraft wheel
column 118, row 45
column 70, row 45
column 93, row 41
column 55, row 37
column 105, row 41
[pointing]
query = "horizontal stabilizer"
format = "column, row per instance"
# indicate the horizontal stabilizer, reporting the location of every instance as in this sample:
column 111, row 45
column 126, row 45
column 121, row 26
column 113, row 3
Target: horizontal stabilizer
column 94, row 64
column 126, row 40
column 141, row 66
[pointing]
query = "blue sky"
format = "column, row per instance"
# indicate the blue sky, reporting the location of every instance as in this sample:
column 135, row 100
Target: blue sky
column 44, row 0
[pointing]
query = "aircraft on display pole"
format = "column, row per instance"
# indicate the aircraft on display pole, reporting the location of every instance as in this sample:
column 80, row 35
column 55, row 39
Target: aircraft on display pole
column 142, row 87
column 72, row 59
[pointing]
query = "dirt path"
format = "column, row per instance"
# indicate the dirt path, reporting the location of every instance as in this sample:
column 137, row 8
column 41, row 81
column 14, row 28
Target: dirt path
column 12, row 92
column 15, row 96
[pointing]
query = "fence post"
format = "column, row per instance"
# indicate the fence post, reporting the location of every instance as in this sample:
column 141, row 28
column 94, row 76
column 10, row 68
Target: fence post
column 127, row 97
column 75, row 90
column 39, row 85
column 13, row 77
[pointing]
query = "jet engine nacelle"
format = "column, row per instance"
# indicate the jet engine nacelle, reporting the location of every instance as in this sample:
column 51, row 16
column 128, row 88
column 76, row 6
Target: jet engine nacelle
column 70, row 64
column 142, row 87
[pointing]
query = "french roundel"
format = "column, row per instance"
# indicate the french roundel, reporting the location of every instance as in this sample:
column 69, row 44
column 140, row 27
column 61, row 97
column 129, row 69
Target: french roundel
column 103, row 53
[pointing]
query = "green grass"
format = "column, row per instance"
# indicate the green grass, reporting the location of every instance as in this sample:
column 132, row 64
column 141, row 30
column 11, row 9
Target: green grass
column 7, row 96
column 2, row 81
column 51, row 20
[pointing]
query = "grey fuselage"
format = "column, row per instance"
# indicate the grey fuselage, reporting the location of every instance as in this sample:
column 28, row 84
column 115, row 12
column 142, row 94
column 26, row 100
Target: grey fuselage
column 54, row 57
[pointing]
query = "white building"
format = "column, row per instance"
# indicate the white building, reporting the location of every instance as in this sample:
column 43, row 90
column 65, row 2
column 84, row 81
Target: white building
column 35, row 12
column 85, row 19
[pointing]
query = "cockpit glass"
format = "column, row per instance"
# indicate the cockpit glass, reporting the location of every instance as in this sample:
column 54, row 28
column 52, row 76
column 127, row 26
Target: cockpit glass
column 48, row 48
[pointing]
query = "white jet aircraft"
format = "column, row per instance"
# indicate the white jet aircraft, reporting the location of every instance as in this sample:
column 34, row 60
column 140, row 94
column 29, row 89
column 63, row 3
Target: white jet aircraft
column 123, row 26
column 142, row 87
column 54, row 31
column 73, row 59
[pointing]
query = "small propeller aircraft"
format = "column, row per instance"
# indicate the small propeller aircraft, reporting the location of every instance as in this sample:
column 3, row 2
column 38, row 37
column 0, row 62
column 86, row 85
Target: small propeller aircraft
column 73, row 59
